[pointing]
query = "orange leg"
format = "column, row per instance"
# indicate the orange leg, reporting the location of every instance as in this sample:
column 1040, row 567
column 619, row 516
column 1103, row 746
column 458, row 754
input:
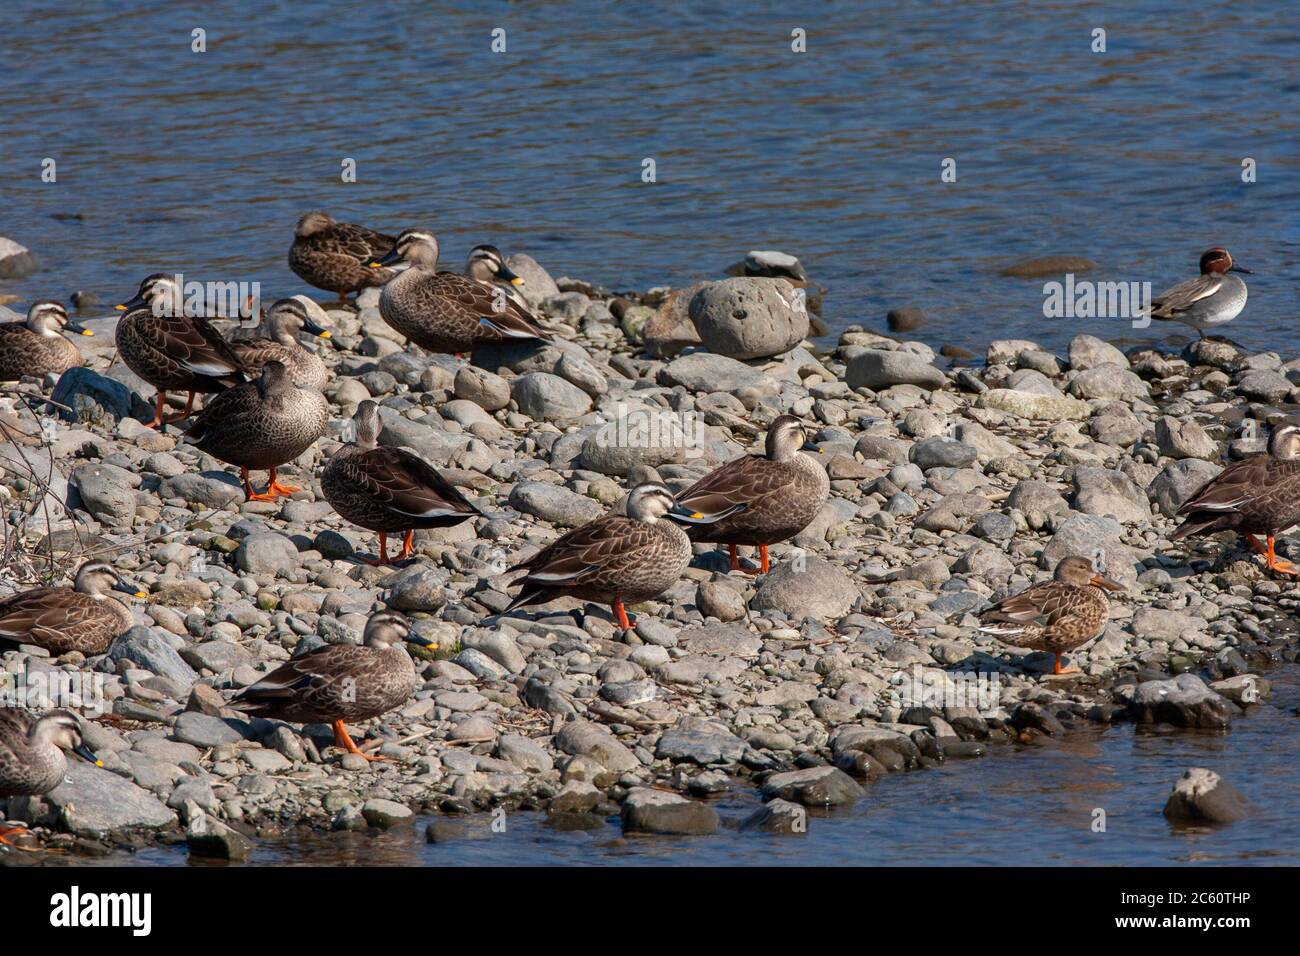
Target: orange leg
column 189, row 410
column 273, row 490
column 764, row 564
column 343, row 298
column 408, row 545
column 5, row 838
column 1056, row 669
column 621, row 613
column 735, row 557
column 383, row 552
column 1271, row 560
column 157, row 412
column 341, row 739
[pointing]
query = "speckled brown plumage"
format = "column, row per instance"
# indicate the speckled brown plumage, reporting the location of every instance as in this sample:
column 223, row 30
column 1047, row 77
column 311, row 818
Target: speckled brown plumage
column 80, row 618
column 335, row 255
column 261, row 424
column 285, row 320
column 35, row 347
column 177, row 352
column 612, row 559
column 447, row 312
column 1054, row 616
column 1257, row 496
column 760, row 500
column 387, row 489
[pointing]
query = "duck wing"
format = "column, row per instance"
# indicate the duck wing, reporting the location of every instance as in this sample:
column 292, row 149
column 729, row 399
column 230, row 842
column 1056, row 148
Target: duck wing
column 490, row 303
column 357, row 242
column 588, row 550
column 1239, row 484
column 191, row 342
column 33, row 616
column 321, row 677
column 405, row 483
column 1184, row 295
column 733, row 487
column 1040, row 605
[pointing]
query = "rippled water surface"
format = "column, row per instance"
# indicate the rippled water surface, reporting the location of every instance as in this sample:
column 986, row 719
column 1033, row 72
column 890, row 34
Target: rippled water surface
column 201, row 163
column 168, row 160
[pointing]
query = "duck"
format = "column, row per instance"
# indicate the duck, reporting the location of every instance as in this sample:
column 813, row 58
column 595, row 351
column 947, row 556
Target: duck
column 389, row 490
column 171, row 350
column 32, row 762
column 335, row 256
column 36, row 346
column 284, row 320
column 1211, row 299
column 341, row 682
column 1259, row 495
column 261, row 424
column 1057, row 615
column 759, row 500
column 84, row 617
column 445, row 311
column 615, row 559
column 485, row 263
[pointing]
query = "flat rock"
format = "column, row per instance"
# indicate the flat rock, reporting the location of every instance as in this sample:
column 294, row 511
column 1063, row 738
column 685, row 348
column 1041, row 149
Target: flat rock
column 95, row 803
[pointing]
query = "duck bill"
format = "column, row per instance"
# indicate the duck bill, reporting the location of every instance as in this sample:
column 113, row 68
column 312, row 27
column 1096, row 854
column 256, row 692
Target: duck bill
column 312, row 328
column 134, row 302
column 88, row 755
column 812, row 446
column 126, row 587
column 421, row 641
column 390, row 257
column 506, row 275
column 687, row 516
column 78, row 328
column 1101, row 581
column 1236, row 268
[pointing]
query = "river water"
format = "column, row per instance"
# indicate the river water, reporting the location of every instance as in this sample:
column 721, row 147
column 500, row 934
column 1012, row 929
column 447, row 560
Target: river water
column 171, row 160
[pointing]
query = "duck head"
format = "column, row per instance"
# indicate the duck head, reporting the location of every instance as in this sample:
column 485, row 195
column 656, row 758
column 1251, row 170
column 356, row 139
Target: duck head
column 1218, row 260
column 486, row 264
column 419, row 247
column 1284, row 443
column 63, row 729
column 389, row 629
column 298, row 313
column 785, row 436
column 274, row 380
column 49, row 318
column 160, row 292
column 651, row 500
column 97, row 578
column 367, row 423
column 1080, row 572
column 312, row 223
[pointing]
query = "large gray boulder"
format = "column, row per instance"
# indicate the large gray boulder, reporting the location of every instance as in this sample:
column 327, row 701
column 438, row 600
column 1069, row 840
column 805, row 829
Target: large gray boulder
column 748, row 317
column 879, row 369
column 808, row 586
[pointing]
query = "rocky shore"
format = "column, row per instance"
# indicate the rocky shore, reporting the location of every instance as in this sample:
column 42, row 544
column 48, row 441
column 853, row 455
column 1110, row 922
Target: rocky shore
column 857, row 657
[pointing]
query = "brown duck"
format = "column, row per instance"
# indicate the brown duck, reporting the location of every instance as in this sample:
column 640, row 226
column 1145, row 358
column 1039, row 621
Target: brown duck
column 284, row 321
column 36, row 346
column 80, row 618
column 445, row 311
column 1057, row 615
column 171, row 350
column 614, row 560
column 261, row 425
column 1259, row 495
column 31, row 754
column 759, row 500
column 336, row 256
column 389, row 490
column 341, row 682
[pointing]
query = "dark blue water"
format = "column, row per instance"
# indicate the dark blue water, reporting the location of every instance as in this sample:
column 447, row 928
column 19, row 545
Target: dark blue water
column 202, row 162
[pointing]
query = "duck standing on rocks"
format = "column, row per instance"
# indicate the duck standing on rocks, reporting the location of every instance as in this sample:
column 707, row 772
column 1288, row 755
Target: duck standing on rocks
column 389, row 490
column 335, row 256
column 261, row 424
column 341, row 682
column 31, row 755
column 37, row 347
column 81, row 618
column 1211, row 299
column 1258, row 495
column 614, row 560
column 171, row 350
column 1057, row 615
column 759, row 500
column 285, row 319
column 445, row 311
